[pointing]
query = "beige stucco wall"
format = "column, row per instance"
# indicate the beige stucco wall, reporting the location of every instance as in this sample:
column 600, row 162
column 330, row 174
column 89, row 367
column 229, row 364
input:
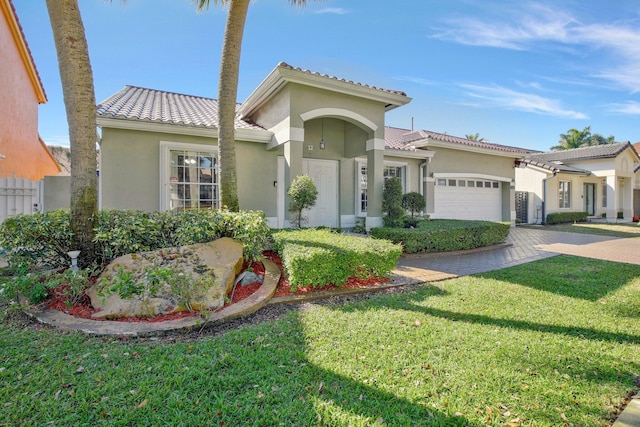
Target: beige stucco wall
column 130, row 170
column 56, row 193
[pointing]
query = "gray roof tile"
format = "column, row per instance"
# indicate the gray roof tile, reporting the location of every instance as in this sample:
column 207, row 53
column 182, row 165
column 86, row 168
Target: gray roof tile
column 585, row 153
column 553, row 167
column 136, row 103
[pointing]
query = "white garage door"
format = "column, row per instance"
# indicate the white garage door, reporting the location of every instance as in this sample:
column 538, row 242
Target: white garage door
column 468, row 198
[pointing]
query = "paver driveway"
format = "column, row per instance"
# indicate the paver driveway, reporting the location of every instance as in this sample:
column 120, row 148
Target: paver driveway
column 526, row 245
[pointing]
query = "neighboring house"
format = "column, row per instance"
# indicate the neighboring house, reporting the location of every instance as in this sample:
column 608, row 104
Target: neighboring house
column 22, row 152
column 597, row 179
column 158, row 152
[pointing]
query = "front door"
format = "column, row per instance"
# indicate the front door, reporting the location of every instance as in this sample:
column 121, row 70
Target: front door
column 590, row 199
column 324, row 174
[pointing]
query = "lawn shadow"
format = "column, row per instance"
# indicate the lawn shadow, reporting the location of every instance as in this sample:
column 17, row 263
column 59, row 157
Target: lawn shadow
column 556, row 275
column 321, row 396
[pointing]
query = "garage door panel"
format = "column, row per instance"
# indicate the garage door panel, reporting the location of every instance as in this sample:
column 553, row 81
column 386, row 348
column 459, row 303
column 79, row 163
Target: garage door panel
column 470, row 203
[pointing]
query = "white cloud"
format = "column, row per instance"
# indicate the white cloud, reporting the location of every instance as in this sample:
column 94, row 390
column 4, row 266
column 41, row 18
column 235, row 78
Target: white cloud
column 501, row 97
column 332, row 10
column 629, row 107
column 537, row 26
column 417, row 80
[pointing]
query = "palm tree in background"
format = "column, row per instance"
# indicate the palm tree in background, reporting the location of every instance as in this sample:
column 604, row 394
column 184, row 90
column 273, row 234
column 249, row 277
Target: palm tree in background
column 474, row 137
column 80, row 103
column 227, row 94
column 575, row 138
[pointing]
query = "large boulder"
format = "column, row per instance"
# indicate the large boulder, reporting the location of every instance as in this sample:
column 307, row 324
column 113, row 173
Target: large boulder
column 147, row 284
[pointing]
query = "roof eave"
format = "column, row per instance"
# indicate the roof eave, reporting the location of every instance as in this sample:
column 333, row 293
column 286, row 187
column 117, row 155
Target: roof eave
column 417, row 154
column 280, row 76
column 429, row 142
column 548, row 167
column 250, row 135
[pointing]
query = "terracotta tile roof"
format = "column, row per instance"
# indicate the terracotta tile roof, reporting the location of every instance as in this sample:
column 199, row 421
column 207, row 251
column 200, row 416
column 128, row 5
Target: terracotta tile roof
column 314, row 73
column 150, row 105
column 394, row 139
column 398, row 137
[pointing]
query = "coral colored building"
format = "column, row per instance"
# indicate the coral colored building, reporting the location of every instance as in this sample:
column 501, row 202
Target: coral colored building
column 22, row 152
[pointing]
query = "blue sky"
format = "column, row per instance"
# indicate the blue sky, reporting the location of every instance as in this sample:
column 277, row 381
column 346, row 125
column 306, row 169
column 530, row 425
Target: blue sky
column 518, row 73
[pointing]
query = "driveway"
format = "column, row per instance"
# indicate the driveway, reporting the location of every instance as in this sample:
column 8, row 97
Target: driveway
column 524, row 245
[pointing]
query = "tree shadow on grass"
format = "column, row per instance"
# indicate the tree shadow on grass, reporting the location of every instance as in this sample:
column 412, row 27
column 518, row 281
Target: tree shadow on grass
column 316, row 395
column 559, row 276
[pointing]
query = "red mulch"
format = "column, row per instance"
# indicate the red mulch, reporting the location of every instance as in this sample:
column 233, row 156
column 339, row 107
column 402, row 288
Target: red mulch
column 85, row 310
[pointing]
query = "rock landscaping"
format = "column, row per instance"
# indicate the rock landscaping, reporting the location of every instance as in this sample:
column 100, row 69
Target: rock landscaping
column 187, row 278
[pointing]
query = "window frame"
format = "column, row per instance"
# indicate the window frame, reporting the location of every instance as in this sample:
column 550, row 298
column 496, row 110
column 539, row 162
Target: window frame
column 564, row 194
column 362, row 185
column 166, row 147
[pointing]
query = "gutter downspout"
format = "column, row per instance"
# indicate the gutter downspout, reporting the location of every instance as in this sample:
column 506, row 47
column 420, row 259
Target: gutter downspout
column 543, row 220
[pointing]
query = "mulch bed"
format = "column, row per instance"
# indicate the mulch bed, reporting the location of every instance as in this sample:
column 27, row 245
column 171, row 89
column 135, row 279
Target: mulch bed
column 84, row 310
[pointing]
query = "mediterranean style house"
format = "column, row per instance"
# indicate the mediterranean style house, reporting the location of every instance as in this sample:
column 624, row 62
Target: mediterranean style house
column 22, row 152
column 158, row 152
column 599, row 180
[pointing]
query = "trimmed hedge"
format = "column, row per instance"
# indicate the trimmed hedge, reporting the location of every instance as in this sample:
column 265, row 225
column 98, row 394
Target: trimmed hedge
column 319, row 257
column 445, row 235
column 564, row 217
column 45, row 238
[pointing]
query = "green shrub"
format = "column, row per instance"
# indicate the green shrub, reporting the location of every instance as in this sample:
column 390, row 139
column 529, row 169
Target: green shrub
column 121, row 232
column 45, row 238
column 392, row 203
column 413, row 202
column 302, row 195
column 445, row 235
column 40, row 239
column 565, row 217
column 317, row 258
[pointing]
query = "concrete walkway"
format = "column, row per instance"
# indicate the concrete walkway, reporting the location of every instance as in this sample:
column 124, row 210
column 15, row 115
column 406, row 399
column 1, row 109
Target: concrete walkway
column 523, row 245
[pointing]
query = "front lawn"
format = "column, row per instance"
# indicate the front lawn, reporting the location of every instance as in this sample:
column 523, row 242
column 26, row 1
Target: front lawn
column 548, row 343
column 613, row 230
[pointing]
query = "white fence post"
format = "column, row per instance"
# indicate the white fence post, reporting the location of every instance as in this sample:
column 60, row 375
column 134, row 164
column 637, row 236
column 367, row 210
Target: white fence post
column 19, row 196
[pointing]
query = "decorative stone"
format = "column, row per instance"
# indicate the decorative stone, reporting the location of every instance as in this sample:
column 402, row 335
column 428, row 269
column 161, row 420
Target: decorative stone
column 247, row 277
column 147, row 284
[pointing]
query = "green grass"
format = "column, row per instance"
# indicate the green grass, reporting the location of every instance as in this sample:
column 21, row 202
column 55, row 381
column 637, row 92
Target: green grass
column 613, row 230
column 536, row 344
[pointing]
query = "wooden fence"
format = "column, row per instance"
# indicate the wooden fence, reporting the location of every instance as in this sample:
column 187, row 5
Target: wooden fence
column 19, row 196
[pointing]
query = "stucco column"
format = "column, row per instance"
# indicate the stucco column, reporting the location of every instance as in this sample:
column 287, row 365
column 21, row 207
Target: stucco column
column 612, row 198
column 509, row 202
column 375, row 182
column 292, row 167
column 627, row 199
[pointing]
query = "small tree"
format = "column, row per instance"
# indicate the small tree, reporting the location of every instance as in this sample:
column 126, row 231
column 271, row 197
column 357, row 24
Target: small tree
column 303, row 194
column 392, row 203
column 413, row 202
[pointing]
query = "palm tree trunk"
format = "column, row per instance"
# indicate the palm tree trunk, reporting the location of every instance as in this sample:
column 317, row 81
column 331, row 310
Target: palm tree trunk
column 227, row 98
column 80, row 104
